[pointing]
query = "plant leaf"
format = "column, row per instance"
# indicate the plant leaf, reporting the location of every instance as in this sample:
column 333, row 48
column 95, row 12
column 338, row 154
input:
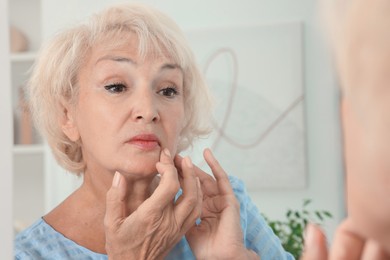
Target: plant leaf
column 327, row 213
column 319, row 215
column 306, row 202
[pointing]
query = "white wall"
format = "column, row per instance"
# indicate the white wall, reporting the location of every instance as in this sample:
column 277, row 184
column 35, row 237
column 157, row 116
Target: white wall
column 324, row 164
column 6, row 138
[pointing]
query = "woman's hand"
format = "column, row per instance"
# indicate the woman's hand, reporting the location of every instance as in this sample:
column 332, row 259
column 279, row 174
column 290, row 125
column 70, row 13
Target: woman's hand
column 347, row 245
column 152, row 230
column 219, row 235
column 363, row 56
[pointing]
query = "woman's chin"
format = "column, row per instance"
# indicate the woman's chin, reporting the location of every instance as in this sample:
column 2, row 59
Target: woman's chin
column 139, row 165
column 142, row 169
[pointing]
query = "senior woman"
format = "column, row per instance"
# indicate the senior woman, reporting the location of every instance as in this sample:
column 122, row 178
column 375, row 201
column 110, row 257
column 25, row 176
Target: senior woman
column 117, row 98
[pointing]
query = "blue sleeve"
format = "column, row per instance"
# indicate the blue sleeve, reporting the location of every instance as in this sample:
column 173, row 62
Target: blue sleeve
column 258, row 236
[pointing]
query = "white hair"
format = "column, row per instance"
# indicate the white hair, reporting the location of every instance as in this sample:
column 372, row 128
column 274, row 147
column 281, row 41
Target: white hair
column 55, row 73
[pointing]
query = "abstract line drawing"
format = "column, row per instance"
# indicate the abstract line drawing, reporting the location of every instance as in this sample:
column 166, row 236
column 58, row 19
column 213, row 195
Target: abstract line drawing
column 221, row 133
column 255, row 74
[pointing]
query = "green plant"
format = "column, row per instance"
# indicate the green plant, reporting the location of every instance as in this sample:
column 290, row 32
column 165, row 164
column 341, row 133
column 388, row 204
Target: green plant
column 291, row 230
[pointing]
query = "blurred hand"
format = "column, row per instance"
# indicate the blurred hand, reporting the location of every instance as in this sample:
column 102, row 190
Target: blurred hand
column 152, row 230
column 219, row 235
column 362, row 48
column 346, row 245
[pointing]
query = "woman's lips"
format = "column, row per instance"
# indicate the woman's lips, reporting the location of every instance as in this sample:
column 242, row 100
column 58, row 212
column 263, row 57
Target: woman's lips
column 145, row 142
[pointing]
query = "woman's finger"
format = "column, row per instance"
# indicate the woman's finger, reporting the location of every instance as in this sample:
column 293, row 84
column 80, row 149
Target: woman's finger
column 165, row 157
column 168, row 187
column 116, row 202
column 208, row 183
column 315, row 244
column 189, row 205
column 346, row 244
column 374, row 251
column 223, row 182
column 178, row 160
column 196, row 212
column 189, row 200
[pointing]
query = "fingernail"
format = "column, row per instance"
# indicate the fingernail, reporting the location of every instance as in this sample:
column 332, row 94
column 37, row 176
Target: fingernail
column 167, row 153
column 116, row 180
column 188, row 162
column 211, row 154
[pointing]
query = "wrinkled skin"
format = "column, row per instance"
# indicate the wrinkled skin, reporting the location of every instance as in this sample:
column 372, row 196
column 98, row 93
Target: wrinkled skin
column 219, row 235
column 158, row 224
column 152, row 230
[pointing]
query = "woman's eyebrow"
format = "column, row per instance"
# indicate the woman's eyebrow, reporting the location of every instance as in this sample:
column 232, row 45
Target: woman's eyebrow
column 171, row 66
column 165, row 66
column 116, row 58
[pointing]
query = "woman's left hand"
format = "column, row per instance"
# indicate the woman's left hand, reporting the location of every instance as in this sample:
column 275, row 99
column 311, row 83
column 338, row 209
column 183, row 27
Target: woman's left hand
column 219, row 235
column 347, row 244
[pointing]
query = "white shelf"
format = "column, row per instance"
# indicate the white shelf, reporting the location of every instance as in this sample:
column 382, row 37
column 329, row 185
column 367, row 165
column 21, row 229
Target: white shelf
column 23, row 56
column 28, row 149
column 28, row 159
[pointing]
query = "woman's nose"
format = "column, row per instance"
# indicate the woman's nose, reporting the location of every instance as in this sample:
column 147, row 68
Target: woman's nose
column 145, row 107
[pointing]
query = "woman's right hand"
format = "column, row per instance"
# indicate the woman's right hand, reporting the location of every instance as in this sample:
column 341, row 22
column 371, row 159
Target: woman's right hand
column 154, row 228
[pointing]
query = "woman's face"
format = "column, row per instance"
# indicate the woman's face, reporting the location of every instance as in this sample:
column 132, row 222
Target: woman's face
column 129, row 109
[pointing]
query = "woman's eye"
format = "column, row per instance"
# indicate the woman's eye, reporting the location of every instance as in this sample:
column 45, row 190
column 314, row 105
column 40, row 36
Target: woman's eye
column 115, row 88
column 169, row 92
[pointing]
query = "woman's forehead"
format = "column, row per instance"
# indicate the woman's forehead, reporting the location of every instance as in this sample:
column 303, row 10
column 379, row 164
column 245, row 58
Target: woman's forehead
column 130, row 45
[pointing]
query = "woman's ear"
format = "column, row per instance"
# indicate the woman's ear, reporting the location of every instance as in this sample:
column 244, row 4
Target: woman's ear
column 68, row 122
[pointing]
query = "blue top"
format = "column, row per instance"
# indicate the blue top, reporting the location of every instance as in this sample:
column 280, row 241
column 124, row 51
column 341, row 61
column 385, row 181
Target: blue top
column 41, row 241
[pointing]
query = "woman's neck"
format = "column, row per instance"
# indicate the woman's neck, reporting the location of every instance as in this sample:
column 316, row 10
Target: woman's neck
column 84, row 209
column 97, row 184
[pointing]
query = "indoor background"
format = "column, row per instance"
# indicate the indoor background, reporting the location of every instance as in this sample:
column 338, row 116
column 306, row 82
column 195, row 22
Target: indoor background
column 300, row 68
